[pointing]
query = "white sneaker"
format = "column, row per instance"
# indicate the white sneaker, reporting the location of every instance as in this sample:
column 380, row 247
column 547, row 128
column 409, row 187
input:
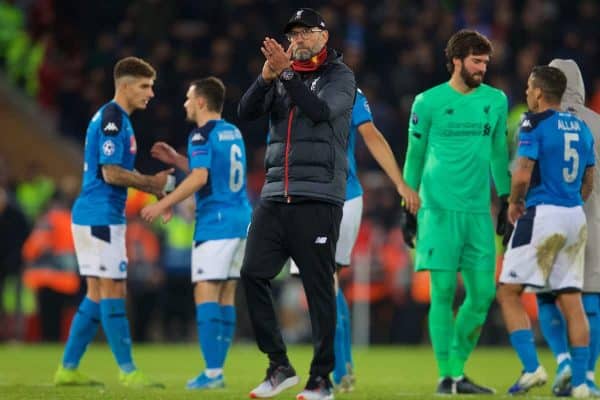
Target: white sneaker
column 317, row 388
column 528, row 380
column 581, row 391
column 277, row 380
column 315, row 395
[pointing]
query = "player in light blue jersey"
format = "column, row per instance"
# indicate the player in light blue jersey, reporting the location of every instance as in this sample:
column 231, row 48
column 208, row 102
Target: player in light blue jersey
column 553, row 176
column 361, row 123
column 216, row 167
column 99, row 225
column 551, row 321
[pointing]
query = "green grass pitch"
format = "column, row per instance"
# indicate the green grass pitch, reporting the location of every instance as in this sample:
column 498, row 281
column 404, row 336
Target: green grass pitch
column 382, row 372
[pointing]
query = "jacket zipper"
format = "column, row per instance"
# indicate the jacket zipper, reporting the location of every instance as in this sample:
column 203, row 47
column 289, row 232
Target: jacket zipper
column 286, row 167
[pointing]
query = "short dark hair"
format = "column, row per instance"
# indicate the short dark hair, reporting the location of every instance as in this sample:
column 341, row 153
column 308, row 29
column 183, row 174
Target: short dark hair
column 213, row 90
column 464, row 43
column 551, row 80
column 135, row 67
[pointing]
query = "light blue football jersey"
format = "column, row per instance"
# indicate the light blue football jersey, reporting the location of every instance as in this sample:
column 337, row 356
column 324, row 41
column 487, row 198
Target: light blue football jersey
column 109, row 140
column 222, row 207
column 563, row 148
column 361, row 113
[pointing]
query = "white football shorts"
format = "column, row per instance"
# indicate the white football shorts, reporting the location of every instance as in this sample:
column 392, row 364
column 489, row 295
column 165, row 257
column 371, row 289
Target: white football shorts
column 348, row 230
column 101, row 250
column 546, row 249
column 218, row 260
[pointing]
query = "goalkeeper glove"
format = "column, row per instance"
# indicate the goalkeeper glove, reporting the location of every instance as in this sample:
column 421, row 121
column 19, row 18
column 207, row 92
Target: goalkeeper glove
column 503, row 227
column 408, row 223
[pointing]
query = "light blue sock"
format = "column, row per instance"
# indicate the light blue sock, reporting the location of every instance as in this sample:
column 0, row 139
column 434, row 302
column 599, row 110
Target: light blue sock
column 522, row 341
column 116, row 329
column 227, row 332
column 339, row 370
column 83, row 330
column 552, row 325
column 579, row 361
column 344, row 312
column 208, row 321
column 591, row 305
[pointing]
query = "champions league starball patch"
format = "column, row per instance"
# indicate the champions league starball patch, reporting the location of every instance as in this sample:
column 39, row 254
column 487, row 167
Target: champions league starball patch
column 108, row 148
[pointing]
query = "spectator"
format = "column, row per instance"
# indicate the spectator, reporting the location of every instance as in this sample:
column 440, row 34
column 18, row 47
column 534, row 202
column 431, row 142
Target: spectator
column 51, row 264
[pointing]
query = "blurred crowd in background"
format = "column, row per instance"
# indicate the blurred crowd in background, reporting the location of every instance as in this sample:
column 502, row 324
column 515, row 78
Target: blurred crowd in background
column 61, row 53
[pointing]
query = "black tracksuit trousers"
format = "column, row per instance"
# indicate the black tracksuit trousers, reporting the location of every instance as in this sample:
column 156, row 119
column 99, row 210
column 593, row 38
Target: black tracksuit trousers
column 306, row 231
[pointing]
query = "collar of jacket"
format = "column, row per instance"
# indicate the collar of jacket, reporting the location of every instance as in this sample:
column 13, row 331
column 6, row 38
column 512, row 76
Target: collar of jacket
column 333, row 57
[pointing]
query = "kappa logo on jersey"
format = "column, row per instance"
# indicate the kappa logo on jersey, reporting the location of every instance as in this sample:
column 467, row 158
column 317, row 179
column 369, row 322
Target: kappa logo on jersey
column 111, row 127
column 526, row 124
column 108, row 148
column 198, row 138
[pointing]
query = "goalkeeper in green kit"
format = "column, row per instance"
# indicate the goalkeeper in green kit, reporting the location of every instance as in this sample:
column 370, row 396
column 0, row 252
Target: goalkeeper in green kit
column 457, row 135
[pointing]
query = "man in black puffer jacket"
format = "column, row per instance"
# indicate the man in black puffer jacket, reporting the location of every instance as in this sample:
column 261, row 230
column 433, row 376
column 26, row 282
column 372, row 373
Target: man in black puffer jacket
column 308, row 93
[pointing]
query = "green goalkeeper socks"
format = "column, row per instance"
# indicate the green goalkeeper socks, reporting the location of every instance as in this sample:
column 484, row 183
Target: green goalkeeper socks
column 441, row 318
column 454, row 340
column 480, row 290
column 467, row 329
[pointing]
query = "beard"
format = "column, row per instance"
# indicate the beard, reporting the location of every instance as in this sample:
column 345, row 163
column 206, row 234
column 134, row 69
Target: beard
column 303, row 54
column 470, row 79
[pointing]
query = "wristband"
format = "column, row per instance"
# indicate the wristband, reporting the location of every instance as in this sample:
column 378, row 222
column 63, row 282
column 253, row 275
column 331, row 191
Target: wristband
column 170, row 184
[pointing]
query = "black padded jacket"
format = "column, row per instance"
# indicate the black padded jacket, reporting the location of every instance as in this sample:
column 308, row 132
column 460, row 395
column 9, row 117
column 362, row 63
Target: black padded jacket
column 309, row 120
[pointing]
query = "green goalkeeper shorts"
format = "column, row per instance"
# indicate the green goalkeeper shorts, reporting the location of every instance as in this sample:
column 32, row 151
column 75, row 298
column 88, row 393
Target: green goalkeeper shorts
column 454, row 240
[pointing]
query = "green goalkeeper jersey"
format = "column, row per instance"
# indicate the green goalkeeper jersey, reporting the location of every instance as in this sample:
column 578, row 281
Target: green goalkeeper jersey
column 454, row 141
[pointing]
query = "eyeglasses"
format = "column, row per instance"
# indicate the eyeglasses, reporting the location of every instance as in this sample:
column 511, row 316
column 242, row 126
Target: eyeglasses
column 303, row 33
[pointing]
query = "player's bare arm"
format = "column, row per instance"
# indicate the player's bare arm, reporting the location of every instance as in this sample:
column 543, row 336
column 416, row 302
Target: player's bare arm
column 190, row 185
column 381, row 151
column 520, row 184
column 167, row 154
column 588, row 183
column 119, row 176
